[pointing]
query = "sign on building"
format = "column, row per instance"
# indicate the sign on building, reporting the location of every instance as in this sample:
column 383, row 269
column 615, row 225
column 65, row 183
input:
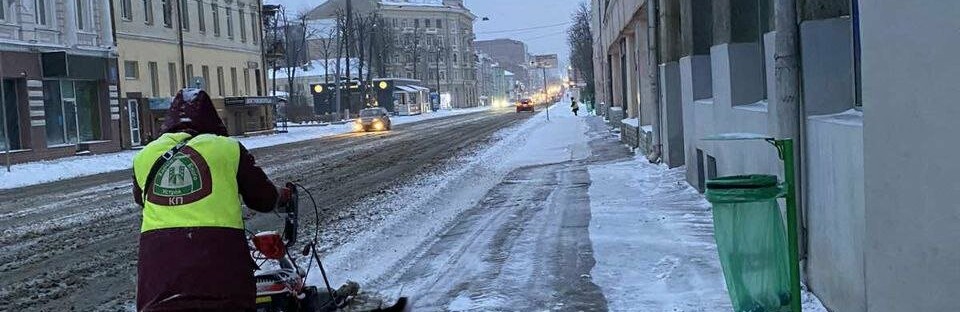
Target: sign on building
column 546, row 61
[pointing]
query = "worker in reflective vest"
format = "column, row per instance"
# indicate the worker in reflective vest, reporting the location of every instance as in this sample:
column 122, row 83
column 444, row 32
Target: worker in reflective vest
column 193, row 251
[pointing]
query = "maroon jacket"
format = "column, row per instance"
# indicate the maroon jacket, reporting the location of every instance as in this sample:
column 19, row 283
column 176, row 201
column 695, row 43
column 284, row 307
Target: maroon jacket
column 201, row 269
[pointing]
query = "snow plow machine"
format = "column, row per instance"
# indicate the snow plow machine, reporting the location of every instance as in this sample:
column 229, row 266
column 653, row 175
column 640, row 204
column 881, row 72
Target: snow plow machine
column 283, row 287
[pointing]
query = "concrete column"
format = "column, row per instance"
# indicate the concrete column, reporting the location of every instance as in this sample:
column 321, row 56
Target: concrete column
column 643, row 56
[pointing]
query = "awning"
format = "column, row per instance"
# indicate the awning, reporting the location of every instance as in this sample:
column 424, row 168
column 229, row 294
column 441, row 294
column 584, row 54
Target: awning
column 406, row 88
column 419, row 88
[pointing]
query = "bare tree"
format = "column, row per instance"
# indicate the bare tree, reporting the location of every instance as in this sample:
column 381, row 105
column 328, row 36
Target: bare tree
column 385, row 46
column 581, row 48
column 413, row 48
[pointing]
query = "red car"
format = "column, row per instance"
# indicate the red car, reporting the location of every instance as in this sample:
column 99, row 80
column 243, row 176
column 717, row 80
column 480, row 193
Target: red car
column 525, row 105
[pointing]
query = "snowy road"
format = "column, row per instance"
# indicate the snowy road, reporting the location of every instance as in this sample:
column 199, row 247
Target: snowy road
column 71, row 245
column 524, row 247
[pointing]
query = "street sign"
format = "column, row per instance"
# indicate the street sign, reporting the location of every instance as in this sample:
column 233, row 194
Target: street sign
column 546, row 60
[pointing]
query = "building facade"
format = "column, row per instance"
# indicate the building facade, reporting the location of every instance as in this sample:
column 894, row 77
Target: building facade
column 166, row 45
column 59, row 79
column 511, row 54
column 876, row 231
column 493, row 85
column 433, row 39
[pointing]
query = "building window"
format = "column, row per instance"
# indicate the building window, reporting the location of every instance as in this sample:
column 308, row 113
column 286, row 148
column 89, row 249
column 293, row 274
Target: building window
column 246, row 82
column 131, row 70
column 243, row 22
column 148, row 12
column 254, row 30
column 259, row 83
column 190, row 75
column 216, row 19
column 233, row 81
column 167, row 8
column 81, row 15
column 126, row 9
column 172, row 70
column 72, row 110
column 40, row 12
column 201, row 22
column 154, row 79
column 3, row 11
column 220, row 81
column 439, row 25
column 229, row 22
column 416, row 23
column 184, row 15
column 9, row 137
column 427, row 23
column 205, row 71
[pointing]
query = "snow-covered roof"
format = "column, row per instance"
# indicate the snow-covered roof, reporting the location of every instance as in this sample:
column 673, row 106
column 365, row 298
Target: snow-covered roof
column 316, row 69
column 508, row 73
column 413, row 2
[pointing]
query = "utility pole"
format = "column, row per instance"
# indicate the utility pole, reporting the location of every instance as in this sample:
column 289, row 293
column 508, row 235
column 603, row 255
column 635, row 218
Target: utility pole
column 439, row 50
column 787, row 108
column 349, row 45
column 183, row 70
column 545, row 95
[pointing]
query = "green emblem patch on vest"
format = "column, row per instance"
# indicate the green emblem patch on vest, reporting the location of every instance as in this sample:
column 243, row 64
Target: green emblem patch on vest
column 183, row 179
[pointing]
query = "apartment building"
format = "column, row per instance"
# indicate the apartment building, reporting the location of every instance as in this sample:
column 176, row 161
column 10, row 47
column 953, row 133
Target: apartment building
column 58, row 79
column 166, row 45
column 434, row 40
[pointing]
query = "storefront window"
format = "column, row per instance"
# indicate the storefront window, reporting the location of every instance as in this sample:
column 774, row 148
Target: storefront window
column 10, row 130
column 72, row 111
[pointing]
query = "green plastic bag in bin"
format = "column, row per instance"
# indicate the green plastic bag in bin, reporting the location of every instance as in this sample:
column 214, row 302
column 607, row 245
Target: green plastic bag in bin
column 751, row 240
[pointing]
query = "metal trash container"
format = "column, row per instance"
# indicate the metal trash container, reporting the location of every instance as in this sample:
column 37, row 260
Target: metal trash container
column 752, row 241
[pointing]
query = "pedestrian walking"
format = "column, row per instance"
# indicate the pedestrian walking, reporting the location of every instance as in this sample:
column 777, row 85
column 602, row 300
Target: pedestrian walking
column 574, row 107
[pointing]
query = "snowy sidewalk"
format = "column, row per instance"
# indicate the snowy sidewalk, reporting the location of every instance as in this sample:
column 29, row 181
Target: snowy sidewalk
column 79, row 166
column 653, row 241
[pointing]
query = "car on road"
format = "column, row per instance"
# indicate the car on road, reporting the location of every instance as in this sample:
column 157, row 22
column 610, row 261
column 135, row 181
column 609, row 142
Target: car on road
column 525, row 105
column 373, row 119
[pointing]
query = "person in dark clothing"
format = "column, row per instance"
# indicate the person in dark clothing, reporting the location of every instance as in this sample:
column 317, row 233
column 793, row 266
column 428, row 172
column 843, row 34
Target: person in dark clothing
column 193, row 251
column 574, row 107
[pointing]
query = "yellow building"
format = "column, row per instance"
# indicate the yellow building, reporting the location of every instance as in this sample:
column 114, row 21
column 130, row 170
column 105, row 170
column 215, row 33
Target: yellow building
column 214, row 46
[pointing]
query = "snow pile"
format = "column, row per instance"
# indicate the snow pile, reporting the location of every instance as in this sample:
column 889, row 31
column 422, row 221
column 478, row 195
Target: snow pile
column 79, row 166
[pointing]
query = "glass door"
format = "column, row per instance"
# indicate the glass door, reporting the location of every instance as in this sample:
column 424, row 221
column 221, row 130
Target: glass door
column 71, row 132
column 133, row 109
column 9, row 117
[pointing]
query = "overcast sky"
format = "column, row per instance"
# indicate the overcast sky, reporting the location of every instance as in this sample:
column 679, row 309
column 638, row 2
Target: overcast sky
column 506, row 16
column 520, row 14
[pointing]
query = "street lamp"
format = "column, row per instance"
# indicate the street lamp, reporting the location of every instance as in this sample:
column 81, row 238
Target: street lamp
column 545, row 96
column 439, row 51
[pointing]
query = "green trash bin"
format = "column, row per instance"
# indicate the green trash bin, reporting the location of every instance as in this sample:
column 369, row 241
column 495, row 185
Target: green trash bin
column 751, row 241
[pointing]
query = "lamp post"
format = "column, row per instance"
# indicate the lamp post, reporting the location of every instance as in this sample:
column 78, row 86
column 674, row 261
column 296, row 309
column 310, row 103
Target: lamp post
column 545, row 95
column 439, row 51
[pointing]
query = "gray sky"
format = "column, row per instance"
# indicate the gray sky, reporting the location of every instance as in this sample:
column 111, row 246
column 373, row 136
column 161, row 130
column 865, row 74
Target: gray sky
column 510, row 15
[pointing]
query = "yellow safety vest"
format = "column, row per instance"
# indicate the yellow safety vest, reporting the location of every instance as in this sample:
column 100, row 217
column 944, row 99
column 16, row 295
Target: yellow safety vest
column 195, row 188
